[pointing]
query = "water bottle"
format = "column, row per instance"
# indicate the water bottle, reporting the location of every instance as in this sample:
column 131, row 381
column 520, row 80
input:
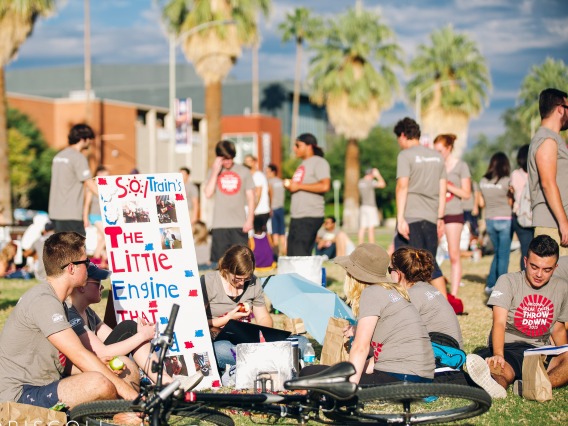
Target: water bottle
column 475, row 252
column 309, row 354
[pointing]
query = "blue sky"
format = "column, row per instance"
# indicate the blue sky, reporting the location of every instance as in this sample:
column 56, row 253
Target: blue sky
column 513, row 35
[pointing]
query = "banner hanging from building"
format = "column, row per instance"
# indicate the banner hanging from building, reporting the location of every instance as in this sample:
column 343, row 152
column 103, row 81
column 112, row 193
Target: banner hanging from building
column 184, row 125
column 152, row 257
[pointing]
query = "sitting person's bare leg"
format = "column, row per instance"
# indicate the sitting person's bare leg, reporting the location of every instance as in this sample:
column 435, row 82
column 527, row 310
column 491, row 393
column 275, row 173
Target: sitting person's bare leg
column 85, row 387
column 558, row 370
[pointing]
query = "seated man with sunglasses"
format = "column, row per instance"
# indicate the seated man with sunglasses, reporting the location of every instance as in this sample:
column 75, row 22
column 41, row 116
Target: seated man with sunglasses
column 128, row 338
column 37, row 340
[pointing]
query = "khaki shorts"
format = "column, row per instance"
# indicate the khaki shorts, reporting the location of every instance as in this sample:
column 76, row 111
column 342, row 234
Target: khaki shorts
column 552, row 233
column 368, row 217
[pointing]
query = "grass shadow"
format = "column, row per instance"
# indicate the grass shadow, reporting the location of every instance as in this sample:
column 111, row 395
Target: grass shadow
column 7, row 303
column 474, row 278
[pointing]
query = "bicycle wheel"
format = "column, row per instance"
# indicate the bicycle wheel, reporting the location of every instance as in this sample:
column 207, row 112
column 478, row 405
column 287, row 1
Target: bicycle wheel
column 378, row 404
column 101, row 413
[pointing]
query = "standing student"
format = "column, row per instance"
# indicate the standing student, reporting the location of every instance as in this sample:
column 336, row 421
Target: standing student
column 458, row 189
column 519, row 180
column 191, row 194
column 232, row 188
column 310, row 182
column 548, row 169
column 70, row 173
column 368, row 212
column 420, row 195
column 496, row 198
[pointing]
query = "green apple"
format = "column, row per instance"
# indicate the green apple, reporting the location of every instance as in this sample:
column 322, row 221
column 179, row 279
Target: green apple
column 116, row 364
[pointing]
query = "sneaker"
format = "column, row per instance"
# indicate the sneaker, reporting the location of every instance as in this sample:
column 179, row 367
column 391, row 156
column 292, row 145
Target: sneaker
column 488, row 290
column 518, row 388
column 479, row 372
column 189, row 382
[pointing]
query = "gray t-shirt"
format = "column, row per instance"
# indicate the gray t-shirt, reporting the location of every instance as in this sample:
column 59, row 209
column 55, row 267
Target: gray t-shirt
column 218, row 303
column 531, row 312
column 277, row 193
column 69, row 170
column 367, row 192
column 453, row 202
column 26, row 355
column 425, row 168
column 230, row 197
column 436, row 312
column 304, row 203
column 400, row 341
column 542, row 215
column 495, row 196
column 78, row 324
column 562, row 270
column 191, row 192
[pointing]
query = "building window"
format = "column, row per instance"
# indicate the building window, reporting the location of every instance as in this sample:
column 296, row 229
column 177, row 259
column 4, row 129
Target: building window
column 246, row 143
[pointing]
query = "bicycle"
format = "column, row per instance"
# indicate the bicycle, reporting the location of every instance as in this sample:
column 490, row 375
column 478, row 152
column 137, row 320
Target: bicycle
column 327, row 397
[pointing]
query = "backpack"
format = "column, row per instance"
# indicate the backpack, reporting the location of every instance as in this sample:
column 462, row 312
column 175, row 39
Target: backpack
column 447, row 352
column 524, row 213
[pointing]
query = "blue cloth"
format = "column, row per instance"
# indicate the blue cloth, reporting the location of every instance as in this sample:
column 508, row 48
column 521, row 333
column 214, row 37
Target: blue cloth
column 499, row 231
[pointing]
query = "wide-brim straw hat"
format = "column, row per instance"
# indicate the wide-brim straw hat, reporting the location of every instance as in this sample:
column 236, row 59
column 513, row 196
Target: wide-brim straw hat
column 368, row 263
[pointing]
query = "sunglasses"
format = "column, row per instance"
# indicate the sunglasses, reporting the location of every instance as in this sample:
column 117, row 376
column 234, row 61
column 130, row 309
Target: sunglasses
column 563, row 106
column 78, row 262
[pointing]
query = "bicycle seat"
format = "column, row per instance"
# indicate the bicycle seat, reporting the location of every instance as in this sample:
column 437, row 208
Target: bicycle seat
column 332, row 381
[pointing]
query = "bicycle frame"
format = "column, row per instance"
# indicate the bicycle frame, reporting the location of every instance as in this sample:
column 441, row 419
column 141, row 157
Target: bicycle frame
column 328, row 393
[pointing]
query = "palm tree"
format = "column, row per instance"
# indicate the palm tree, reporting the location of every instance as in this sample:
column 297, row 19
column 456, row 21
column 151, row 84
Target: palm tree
column 300, row 26
column 17, row 19
column 352, row 74
column 214, row 49
column 550, row 74
column 452, row 81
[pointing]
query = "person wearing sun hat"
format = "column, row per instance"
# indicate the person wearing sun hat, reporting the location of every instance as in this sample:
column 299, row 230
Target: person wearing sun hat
column 127, row 338
column 386, row 322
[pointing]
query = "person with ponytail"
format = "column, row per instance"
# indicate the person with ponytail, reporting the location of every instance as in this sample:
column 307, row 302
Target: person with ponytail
column 411, row 269
column 458, row 189
column 387, row 322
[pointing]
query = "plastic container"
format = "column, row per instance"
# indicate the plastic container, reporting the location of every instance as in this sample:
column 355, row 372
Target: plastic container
column 295, row 354
column 309, row 354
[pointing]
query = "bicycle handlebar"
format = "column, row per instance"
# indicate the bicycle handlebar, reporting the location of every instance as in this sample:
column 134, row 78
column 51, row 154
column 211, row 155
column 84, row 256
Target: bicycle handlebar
column 169, row 331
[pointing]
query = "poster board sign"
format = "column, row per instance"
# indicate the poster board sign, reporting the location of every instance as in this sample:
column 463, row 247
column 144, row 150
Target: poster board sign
column 151, row 255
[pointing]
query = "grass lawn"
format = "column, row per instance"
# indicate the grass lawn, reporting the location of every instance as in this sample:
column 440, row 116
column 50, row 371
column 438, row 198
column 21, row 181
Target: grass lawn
column 475, row 327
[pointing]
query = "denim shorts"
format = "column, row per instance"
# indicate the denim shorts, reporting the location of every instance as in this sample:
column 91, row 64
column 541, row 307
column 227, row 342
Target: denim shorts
column 40, row 396
column 277, row 220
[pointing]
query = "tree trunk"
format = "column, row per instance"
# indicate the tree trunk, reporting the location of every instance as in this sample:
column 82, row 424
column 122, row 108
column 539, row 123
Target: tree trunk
column 351, row 194
column 296, row 99
column 5, row 190
column 213, row 107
